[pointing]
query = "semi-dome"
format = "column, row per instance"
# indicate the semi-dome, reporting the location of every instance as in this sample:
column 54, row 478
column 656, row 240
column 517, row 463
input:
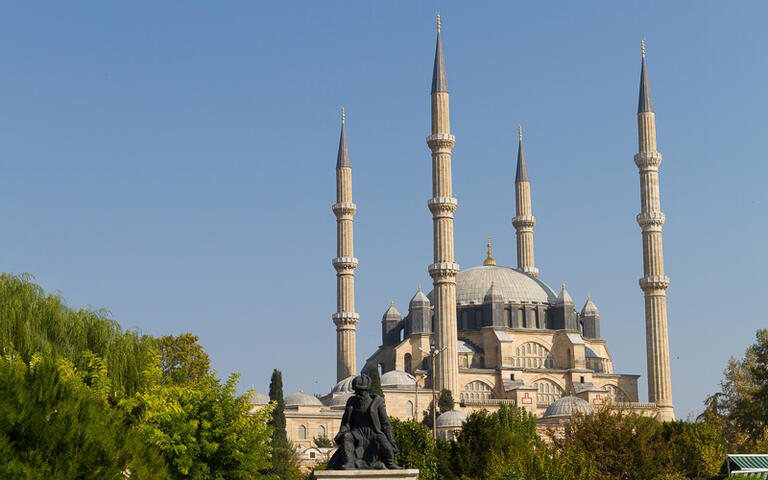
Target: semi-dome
column 302, row 399
column 344, row 385
column 338, row 400
column 567, row 406
column 451, row 419
column 513, row 286
column 397, row 378
column 258, row 398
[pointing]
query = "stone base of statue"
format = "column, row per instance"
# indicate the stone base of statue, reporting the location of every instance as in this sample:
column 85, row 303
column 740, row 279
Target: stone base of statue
column 409, row 474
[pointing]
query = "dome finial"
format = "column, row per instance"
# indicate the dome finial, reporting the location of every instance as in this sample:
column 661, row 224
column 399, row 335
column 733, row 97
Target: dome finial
column 642, row 45
column 438, row 21
column 489, row 260
column 419, row 287
column 391, row 303
column 493, row 282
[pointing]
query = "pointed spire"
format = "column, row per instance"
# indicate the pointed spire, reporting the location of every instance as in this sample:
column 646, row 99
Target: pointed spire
column 590, row 309
column 343, row 159
column 439, row 83
column 522, row 168
column 489, row 260
column 564, row 298
column 644, row 103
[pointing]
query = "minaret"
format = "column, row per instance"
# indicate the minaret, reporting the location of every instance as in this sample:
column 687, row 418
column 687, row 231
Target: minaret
column 654, row 283
column 345, row 263
column 442, row 205
column 524, row 220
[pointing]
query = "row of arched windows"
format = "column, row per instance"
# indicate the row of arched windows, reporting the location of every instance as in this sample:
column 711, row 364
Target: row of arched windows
column 471, row 320
column 532, row 355
column 476, row 390
column 303, row 432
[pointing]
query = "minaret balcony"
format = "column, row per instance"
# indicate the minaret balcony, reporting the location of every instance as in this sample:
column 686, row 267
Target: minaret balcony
column 444, row 270
column 441, row 141
column 648, row 160
column 524, row 221
column 346, row 320
column 344, row 264
column 650, row 283
column 344, row 209
column 651, row 221
column 442, row 206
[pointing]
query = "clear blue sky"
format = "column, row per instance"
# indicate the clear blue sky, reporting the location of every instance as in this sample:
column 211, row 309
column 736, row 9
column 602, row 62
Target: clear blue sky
column 173, row 162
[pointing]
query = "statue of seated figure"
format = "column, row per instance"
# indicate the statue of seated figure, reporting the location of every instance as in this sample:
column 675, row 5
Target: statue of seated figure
column 365, row 438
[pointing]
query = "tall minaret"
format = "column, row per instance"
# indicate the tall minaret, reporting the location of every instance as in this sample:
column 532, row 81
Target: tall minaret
column 442, row 205
column 654, row 283
column 524, row 220
column 345, row 263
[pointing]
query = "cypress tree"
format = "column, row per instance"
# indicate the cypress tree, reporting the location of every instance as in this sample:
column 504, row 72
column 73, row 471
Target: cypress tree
column 373, row 372
column 280, row 436
column 445, row 402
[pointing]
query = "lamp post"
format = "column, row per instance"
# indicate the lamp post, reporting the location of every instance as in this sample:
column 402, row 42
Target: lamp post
column 418, row 374
column 433, row 353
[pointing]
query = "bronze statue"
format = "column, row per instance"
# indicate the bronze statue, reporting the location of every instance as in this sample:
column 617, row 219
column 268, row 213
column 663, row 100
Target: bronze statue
column 365, row 438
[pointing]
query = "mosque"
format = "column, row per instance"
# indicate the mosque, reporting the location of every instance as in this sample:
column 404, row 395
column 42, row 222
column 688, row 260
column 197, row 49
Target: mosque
column 492, row 334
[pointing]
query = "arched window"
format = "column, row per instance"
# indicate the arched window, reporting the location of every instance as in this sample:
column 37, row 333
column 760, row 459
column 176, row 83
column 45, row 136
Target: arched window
column 533, row 355
column 532, row 318
column 477, row 390
column 520, row 317
column 547, row 392
column 617, row 394
column 302, row 432
column 407, row 362
column 321, row 431
column 409, row 409
column 508, row 317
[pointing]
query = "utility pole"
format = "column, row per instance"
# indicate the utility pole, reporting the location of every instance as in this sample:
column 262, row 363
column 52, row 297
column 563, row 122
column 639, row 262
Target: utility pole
column 433, row 353
column 418, row 373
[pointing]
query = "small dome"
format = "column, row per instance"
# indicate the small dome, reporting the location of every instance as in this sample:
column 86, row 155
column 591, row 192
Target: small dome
column 397, row 378
column 564, row 298
column 302, row 399
column 567, row 406
column 391, row 315
column 258, row 398
column 493, row 294
column 452, row 419
column 344, row 386
column 338, row 400
column 419, row 300
column 590, row 309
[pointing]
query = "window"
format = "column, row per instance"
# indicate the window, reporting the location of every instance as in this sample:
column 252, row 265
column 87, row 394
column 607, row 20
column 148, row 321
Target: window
column 617, row 394
column 465, row 320
column 302, row 432
column 508, row 317
column 547, row 392
column 533, row 355
column 321, row 431
column 409, row 409
column 407, row 362
column 311, row 454
column 478, row 319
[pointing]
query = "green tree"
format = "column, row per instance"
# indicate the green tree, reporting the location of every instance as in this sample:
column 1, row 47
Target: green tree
column 53, row 426
column 445, row 402
column 323, row 442
column 427, row 415
column 697, row 449
column 33, row 323
column 285, row 460
column 182, row 359
column 373, row 372
column 416, row 449
column 203, row 429
column 738, row 410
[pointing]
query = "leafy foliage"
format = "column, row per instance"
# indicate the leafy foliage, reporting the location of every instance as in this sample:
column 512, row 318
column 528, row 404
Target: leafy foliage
column 373, row 372
column 416, row 449
column 323, row 442
column 53, row 426
column 738, row 411
column 445, row 402
column 33, row 323
column 182, row 359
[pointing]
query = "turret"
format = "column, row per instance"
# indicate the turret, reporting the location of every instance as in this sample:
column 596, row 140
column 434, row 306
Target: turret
column 564, row 317
column 345, row 263
column 493, row 307
column 420, row 314
column 524, row 221
column 391, row 324
column 590, row 319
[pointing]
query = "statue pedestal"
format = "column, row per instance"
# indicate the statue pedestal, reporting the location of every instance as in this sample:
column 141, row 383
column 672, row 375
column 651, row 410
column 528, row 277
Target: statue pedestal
column 409, row 474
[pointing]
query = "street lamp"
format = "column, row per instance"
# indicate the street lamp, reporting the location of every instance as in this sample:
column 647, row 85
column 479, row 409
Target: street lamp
column 433, row 353
column 418, row 374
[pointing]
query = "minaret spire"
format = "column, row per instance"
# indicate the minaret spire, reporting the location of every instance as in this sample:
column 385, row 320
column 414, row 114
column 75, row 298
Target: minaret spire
column 524, row 221
column 654, row 282
column 442, row 205
column 345, row 263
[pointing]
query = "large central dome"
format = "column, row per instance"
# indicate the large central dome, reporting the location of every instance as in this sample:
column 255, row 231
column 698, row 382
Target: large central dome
column 514, row 286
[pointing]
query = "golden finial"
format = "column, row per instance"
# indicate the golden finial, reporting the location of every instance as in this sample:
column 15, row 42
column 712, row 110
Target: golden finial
column 419, row 287
column 563, row 285
column 391, row 303
column 343, row 115
column 493, row 282
column 520, row 131
column 589, row 297
column 438, row 21
column 489, row 260
column 642, row 46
